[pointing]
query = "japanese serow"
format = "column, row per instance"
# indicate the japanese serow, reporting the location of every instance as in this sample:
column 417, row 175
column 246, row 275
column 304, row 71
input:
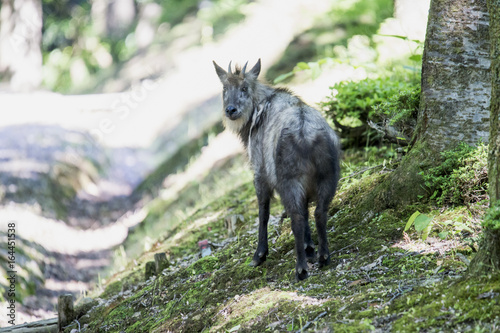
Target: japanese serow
column 292, row 150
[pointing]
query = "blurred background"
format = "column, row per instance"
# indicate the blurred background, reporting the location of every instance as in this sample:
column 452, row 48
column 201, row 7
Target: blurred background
column 108, row 105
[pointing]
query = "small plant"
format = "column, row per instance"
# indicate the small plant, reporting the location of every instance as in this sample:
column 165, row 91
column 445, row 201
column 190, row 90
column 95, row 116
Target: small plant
column 492, row 217
column 453, row 227
column 422, row 222
column 402, row 105
column 462, row 176
column 400, row 111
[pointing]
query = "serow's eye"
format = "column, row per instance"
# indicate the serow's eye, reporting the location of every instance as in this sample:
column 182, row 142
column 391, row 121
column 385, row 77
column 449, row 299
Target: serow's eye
column 244, row 89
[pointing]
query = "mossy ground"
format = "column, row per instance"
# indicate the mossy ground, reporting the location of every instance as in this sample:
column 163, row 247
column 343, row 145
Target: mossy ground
column 380, row 277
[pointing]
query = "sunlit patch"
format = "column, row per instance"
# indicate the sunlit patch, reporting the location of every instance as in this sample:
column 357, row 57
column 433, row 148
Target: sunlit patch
column 431, row 245
column 256, row 306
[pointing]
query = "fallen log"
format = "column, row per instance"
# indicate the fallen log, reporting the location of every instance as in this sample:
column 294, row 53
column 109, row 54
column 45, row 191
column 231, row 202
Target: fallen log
column 42, row 326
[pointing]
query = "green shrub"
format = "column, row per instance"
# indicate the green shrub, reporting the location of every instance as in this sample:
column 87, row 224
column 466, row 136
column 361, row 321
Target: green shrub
column 401, row 110
column 353, row 104
column 462, row 176
column 357, row 99
column 492, row 217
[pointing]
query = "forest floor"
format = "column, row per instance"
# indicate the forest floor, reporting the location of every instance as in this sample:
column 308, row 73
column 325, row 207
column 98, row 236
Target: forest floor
column 381, row 278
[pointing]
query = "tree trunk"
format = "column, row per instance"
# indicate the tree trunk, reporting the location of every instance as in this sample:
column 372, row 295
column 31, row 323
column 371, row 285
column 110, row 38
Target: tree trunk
column 120, row 16
column 113, row 18
column 98, row 12
column 456, row 81
column 455, row 97
column 488, row 258
column 20, row 43
column 494, row 152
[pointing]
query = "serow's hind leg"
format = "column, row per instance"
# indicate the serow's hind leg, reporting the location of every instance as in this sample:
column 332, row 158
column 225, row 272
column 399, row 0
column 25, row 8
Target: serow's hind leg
column 308, row 243
column 323, row 252
column 296, row 206
column 298, row 228
column 321, row 217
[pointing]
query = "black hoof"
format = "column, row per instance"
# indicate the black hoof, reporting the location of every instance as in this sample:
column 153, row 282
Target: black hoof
column 324, row 260
column 310, row 254
column 301, row 274
column 258, row 259
column 256, row 263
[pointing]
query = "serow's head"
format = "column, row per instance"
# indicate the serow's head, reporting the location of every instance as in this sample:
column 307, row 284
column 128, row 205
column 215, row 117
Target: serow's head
column 238, row 94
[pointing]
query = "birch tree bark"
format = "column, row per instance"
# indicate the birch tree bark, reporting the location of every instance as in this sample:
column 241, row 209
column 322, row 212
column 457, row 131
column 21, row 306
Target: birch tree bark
column 455, row 96
column 488, row 258
column 456, row 81
column 120, row 16
column 113, row 18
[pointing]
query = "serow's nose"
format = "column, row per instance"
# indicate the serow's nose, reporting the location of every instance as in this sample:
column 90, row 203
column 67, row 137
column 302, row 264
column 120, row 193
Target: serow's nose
column 230, row 110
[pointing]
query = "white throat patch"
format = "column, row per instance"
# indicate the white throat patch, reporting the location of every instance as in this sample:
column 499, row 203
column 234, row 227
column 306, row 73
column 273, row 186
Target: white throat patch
column 235, row 125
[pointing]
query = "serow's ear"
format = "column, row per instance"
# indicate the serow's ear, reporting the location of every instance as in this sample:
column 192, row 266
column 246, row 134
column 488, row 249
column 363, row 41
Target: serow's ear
column 255, row 71
column 220, row 72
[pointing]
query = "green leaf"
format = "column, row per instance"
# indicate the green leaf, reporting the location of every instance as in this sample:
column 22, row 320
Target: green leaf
column 235, row 328
column 282, row 77
column 427, row 230
column 302, row 65
column 316, row 71
column 460, row 227
column 416, row 57
column 443, row 234
column 395, row 36
column 421, row 222
column 411, row 220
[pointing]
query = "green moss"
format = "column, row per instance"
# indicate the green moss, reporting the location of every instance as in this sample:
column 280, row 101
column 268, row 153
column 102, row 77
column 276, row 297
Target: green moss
column 460, row 306
column 112, row 289
column 204, row 265
column 405, row 185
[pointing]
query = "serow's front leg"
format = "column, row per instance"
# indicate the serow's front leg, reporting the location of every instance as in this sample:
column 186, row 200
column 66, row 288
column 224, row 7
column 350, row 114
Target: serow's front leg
column 264, row 199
